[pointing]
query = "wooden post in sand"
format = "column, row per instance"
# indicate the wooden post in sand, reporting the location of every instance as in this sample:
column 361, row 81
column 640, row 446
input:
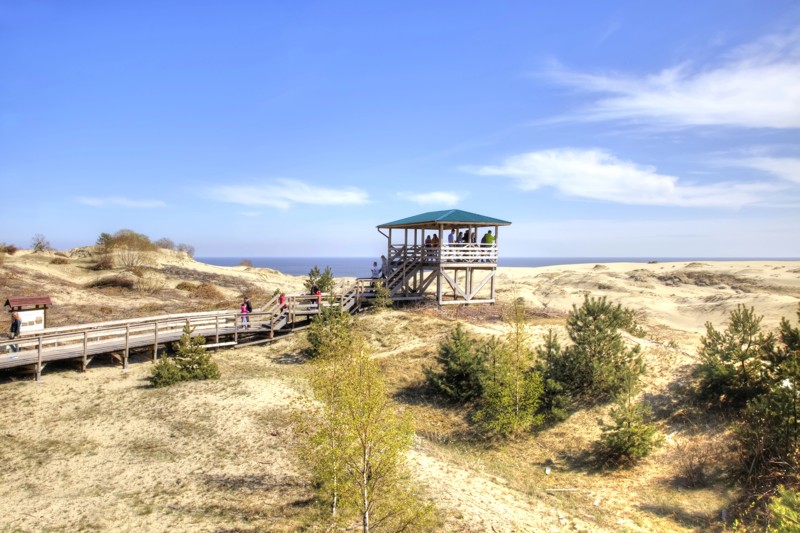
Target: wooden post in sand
column 39, row 360
column 85, row 349
column 155, row 343
column 127, row 346
column 216, row 329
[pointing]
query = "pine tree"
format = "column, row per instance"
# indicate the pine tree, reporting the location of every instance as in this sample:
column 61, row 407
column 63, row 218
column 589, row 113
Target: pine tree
column 598, row 364
column 734, row 361
column 631, row 437
column 191, row 362
column 512, row 389
column 461, row 360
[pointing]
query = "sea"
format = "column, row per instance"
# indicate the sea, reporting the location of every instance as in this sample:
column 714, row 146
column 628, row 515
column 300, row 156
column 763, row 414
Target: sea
column 360, row 266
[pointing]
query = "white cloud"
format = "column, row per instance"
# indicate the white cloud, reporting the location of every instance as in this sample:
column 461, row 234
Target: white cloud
column 119, row 201
column 785, row 168
column 283, row 193
column 599, row 175
column 756, row 86
column 443, row 198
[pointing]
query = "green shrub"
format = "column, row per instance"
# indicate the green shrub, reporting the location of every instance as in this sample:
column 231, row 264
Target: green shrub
column 511, row 395
column 383, row 296
column 734, row 362
column 191, row 362
column 598, row 364
column 512, row 388
column 165, row 373
column 461, row 360
column 631, row 437
column 784, row 511
column 769, row 432
column 330, row 333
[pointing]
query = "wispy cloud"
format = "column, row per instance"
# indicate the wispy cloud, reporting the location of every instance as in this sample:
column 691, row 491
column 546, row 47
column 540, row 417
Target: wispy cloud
column 785, row 168
column 283, row 193
column 599, row 175
column 443, row 198
column 119, row 201
column 756, row 86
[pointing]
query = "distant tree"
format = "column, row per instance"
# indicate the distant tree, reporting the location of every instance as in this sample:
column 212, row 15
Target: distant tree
column 165, row 243
column 326, row 280
column 313, row 278
column 246, row 263
column 39, row 243
column 105, row 242
column 188, row 249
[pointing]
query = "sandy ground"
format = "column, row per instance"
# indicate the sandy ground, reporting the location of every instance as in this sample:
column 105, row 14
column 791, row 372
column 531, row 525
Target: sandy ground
column 102, row 451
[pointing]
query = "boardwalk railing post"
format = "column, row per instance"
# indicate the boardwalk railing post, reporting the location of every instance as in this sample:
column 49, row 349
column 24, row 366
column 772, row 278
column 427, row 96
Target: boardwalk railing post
column 127, row 345
column 236, row 329
column 39, row 360
column 216, row 329
column 155, row 342
column 85, row 350
column 272, row 326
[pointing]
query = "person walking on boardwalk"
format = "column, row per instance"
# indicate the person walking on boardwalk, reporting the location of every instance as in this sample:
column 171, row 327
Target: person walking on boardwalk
column 245, row 320
column 16, row 325
column 384, row 267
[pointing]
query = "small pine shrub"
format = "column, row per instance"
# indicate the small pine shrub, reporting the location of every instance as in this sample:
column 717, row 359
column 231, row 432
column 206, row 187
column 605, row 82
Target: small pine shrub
column 383, row 297
column 59, row 261
column 631, row 437
column 191, row 362
column 165, row 373
column 461, row 360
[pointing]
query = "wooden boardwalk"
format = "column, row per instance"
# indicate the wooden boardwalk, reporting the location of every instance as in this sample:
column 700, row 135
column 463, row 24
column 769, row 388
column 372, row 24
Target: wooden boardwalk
column 81, row 343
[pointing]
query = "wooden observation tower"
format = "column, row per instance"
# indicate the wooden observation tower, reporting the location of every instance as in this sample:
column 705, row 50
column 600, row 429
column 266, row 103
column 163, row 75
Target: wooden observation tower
column 421, row 258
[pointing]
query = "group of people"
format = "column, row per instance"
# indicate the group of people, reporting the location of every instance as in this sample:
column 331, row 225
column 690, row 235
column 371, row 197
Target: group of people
column 247, row 308
column 380, row 271
column 459, row 237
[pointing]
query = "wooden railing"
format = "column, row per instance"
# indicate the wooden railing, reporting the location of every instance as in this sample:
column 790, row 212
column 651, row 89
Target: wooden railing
column 453, row 253
column 84, row 341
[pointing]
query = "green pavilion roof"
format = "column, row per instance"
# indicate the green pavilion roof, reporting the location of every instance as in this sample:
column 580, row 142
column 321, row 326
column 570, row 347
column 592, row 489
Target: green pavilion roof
column 450, row 217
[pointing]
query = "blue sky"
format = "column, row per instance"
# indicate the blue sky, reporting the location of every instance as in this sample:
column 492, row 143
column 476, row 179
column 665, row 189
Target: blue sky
column 646, row 129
